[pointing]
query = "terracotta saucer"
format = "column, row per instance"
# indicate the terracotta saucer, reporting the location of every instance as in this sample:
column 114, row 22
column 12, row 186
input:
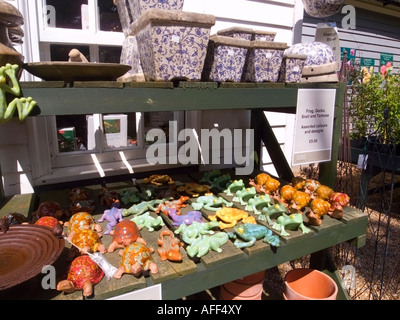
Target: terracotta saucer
column 24, row 251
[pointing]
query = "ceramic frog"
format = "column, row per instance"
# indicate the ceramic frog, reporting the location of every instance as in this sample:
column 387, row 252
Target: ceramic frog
column 230, row 216
column 203, row 245
column 210, row 202
column 272, row 211
column 250, row 233
column 220, row 183
column 195, row 230
column 140, row 208
column 257, row 203
column 147, row 221
column 235, row 186
column 293, row 221
column 208, row 177
column 244, row 195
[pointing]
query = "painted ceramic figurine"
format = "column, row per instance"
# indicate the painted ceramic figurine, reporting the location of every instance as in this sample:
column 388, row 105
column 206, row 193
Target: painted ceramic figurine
column 257, row 203
column 210, row 202
column 175, row 205
column 235, row 186
column 318, row 208
column 83, row 275
column 50, row 208
column 193, row 189
column 271, row 212
column 264, row 183
column 113, row 216
column 300, row 199
column 77, row 194
column 220, row 183
column 23, row 105
column 250, row 233
column 293, row 221
column 204, row 244
column 51, row 223
column 125, row 233
column 324, row 192
column 170, row 246
column 135, row 259
column 82, row 220
column 209, row 176
column 129, row 196
column 159, row 180
column 195, row 230
column 87, row 241
column 230, row 216
column 187, row 218
column 147, row 221
column 142, row 207
column 244, row 195
column 82, row 205
column 338, row 201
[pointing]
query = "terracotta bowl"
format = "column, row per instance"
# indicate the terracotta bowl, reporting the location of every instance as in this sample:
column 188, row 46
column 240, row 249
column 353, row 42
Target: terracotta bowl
column 309, row 284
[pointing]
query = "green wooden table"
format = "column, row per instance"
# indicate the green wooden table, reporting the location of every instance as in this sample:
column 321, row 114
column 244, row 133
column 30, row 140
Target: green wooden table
column 194, row 275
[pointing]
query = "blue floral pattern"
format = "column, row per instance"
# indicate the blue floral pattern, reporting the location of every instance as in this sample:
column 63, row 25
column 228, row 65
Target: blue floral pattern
column 291, row 69
column 224, row 63
column 139, row 6
column 318, row 53
column 172, row 52
column 130, row 55
column 263, row 65
column 322, row 8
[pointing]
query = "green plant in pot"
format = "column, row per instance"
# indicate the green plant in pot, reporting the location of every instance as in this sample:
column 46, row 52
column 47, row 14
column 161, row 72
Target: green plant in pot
column 376, row 100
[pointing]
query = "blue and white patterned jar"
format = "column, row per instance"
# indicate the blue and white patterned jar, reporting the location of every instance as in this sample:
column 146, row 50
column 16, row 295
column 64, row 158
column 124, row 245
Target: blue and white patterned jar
column 292, row 67
column 172, row 45
column 318, row 53
column 225, row 59
column 264, row 61
column 138, row 7
column 322, row 8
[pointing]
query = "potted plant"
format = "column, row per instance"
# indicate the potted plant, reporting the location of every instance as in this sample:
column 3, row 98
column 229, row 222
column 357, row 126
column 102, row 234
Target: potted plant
column 375, row 101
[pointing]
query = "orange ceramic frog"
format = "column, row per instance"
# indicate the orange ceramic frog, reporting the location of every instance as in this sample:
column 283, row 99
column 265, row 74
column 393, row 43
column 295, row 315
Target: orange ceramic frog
column 159, row 179
column 230, row 216
column 318, row 208
column 264, row 183
column 299, row 200
column 193, row 189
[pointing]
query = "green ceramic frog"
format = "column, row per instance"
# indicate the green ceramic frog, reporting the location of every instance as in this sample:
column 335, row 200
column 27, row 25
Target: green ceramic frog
column 244, row 195
column 293, row 221
column 235, row 186
column 272, row 211
column 250, row 233
column 257, row 203
column 210, row 202
column 204, row 244
column 220, row 183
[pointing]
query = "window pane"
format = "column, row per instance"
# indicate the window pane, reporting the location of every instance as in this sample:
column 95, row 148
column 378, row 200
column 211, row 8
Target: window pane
column 59, row 52
column 72, row 133
column 109, row 19
column 119, row 131
column 110, row 54
column 68, row 14
column 159, row 120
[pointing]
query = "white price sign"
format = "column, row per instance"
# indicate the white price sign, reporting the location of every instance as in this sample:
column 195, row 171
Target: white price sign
column 314, row 126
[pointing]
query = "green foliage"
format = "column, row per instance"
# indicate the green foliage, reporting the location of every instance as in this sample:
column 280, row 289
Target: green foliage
column 374, row 92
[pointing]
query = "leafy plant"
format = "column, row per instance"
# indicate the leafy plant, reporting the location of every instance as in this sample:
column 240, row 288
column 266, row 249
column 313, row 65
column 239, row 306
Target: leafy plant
column 373, row 94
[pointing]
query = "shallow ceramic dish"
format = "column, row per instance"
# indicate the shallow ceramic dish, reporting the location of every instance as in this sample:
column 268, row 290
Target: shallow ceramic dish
column 24, row 251
column 76, row 71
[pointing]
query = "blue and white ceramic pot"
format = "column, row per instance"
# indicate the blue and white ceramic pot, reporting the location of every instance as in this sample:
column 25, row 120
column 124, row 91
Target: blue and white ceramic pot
column 322, row 8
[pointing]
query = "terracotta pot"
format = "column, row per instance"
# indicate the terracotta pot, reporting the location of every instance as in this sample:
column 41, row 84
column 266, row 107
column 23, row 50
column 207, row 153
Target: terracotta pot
column 247, row 288
column 309, row 284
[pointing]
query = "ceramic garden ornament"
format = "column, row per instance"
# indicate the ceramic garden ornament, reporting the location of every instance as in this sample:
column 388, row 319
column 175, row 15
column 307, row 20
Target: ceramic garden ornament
column 230, row 216
column 322, row 8
column 293, row 221
column 187, row 218
column 83, row 275
column 196, row 230
column 193, row 189
column 272, row 211
column 51, row 223
column 147, row 221
column 135, row 259
column 204, row 244
column 113, row 216
column 82, row 220
column 142, row 207
column 250, row 233
column 125, row 233
column 170, row 246
column 210, row 202
column 235, row 186
column 159, row 180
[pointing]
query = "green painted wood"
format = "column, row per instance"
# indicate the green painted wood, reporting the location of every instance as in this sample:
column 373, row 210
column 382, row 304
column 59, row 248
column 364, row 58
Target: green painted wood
column 74, row 100
column 20, row 203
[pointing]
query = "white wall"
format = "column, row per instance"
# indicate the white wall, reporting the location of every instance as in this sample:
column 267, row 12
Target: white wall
column 271, row 15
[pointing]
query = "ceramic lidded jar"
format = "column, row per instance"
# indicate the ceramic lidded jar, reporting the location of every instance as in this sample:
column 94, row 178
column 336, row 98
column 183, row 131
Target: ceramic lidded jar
column 322, row 8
